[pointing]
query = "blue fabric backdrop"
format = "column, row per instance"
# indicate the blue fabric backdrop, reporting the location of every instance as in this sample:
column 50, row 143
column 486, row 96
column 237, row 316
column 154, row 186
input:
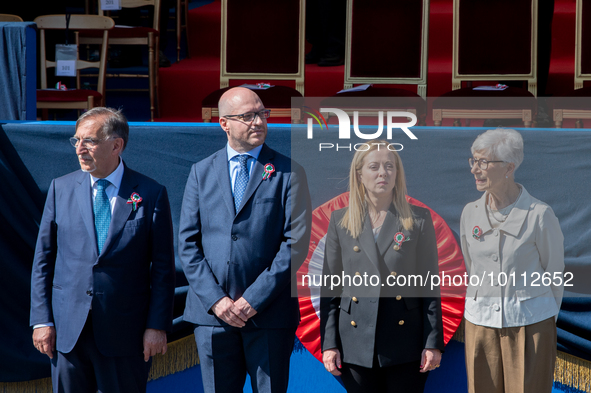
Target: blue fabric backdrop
column 18, row 71
column 21, row 205
column 556, row 170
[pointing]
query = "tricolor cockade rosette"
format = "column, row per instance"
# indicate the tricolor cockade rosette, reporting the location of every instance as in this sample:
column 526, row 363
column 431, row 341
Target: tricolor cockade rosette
column 399, row 238
column 135, row 199
column 476, row 232
column 269, row 169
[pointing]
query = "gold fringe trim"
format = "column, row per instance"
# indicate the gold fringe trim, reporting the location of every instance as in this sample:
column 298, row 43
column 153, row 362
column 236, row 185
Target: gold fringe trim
column 573, row 371
column 34, row 386
column 181, row 355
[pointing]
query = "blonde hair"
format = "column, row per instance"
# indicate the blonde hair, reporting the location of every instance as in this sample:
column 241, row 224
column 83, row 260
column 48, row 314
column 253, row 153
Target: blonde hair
column 354, row 216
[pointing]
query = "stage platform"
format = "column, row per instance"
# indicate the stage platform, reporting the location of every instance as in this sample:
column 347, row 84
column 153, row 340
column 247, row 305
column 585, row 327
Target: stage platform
column 556, row 170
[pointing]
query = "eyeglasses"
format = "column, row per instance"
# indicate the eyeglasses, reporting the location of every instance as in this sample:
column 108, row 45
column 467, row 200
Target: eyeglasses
column 87, row 143
column 250, row 116
column 482, row 163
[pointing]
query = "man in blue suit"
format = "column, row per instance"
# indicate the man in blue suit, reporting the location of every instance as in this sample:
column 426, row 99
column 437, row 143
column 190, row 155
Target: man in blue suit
column 245, row 224
column 103, row 276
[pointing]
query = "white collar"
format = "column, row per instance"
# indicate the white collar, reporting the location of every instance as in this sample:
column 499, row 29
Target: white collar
column 515, row 220
column 253, row 153
column 114, row 178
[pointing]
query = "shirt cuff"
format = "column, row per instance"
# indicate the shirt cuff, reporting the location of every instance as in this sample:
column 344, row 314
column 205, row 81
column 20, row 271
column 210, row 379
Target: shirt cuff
column 40, row 325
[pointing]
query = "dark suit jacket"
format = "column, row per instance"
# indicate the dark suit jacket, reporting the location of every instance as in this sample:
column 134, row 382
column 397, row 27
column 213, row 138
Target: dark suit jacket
column 251, row 253
column 394, row 322
column 130, row 284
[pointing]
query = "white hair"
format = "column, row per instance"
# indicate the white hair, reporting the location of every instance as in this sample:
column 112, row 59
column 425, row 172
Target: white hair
column 502, row 144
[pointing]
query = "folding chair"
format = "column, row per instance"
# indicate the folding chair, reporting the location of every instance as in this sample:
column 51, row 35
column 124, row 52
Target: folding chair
column 73, row 98
column 136, row 35
column 10, row 18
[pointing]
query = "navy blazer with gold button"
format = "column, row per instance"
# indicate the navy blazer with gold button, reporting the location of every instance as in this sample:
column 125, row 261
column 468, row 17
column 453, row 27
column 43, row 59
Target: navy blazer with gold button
column 392, row 322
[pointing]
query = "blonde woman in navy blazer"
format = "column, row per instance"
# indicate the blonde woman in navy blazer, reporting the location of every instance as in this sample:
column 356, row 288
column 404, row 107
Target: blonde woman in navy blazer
column 380, row 338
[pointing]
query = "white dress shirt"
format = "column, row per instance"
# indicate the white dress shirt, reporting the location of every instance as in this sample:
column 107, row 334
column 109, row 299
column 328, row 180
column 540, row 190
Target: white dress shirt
column 234, row 163
column 112, row 189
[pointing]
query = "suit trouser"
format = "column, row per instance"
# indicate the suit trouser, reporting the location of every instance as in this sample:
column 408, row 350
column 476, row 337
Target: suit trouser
column 227, row 353
column 512, row 360
column 85, row 369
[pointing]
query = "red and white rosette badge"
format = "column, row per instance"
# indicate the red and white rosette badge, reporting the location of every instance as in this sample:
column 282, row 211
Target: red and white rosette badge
column 476, row 232
column 134, row 200
column 450, row 261
column 398, row 239
column 269, row 169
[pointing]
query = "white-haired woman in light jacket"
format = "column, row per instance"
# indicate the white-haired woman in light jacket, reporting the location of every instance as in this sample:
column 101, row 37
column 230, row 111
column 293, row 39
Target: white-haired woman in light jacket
column 513, row 244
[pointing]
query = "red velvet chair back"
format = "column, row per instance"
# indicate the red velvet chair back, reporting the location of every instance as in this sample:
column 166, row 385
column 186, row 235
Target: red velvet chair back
column 386, row 38
column 387, row 42
column 495, row 40
column 583, row 43
column 262, row 39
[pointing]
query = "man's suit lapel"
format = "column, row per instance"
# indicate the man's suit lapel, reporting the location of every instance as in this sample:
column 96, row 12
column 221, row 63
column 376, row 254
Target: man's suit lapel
column 256, row 175
column 368, row 244
column 84, row 198
column 122, row 208
column 220, row 164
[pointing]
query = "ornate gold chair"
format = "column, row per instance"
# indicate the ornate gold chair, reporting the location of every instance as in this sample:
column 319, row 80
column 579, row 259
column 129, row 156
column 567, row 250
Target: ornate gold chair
column 386, row 44
column 577, row 104
column 262, row 41
column 492, row 41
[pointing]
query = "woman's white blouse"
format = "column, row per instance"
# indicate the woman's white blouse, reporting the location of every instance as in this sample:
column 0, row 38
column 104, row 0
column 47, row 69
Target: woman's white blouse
column 506, row 265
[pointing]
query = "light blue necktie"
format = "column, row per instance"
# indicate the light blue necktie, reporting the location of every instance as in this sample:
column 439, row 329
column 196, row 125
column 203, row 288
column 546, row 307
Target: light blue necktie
column 241, row 180
column 102, row 212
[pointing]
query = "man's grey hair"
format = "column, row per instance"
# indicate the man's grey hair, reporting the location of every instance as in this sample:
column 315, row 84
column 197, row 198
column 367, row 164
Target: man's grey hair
column 114, row 122
column 503, row 144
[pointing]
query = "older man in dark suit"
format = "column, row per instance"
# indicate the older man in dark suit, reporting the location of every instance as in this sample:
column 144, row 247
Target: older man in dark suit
column 103, row 275
column 245, row 222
